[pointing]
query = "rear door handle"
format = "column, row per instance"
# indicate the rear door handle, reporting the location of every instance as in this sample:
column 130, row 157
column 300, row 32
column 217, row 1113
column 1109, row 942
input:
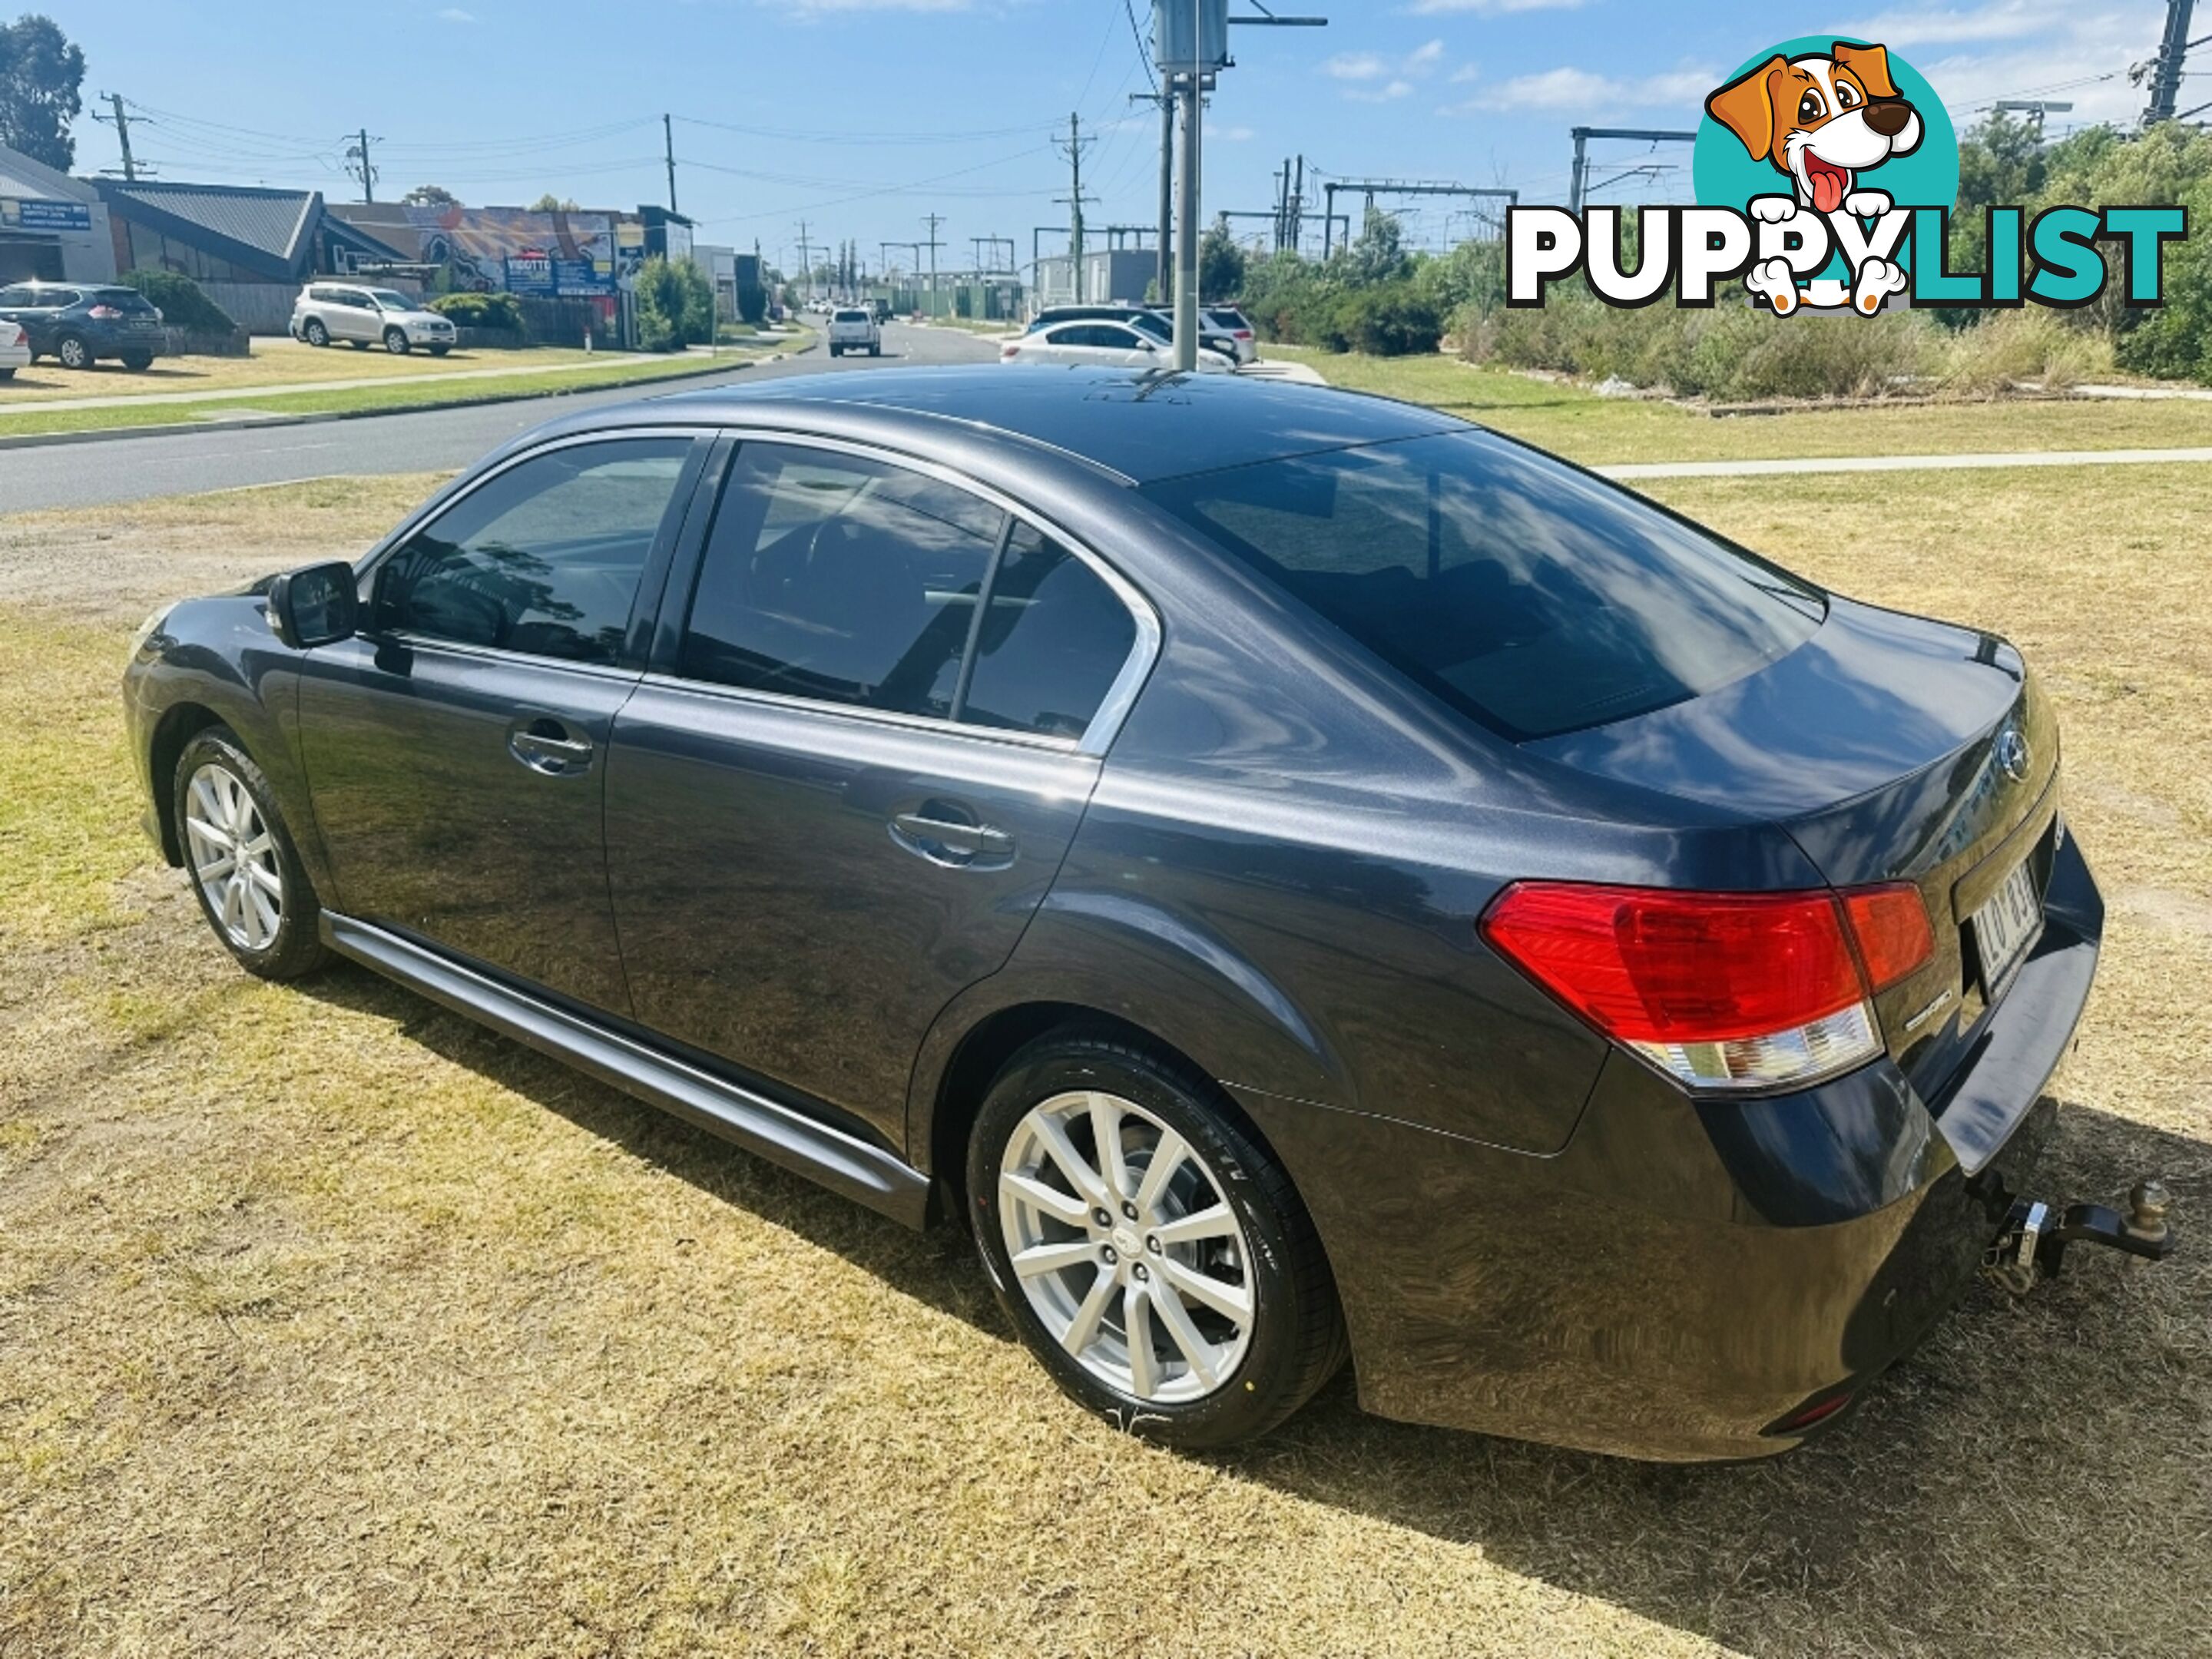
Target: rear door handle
column 929, row 835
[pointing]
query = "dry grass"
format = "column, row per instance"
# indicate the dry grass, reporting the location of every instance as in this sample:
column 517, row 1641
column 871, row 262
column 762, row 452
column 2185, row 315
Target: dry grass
column 332, row 1325
column 274, row 362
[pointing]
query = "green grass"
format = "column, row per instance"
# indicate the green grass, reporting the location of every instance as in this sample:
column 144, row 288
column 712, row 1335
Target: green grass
column 371, row 396
column 1578, row 423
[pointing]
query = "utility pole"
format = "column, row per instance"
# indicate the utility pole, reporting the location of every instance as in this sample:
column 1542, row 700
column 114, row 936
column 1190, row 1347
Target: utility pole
column 357, row 158
column 1298, row 207
column 668, row 150
column 2165, row 68
column 114, row 101
column 806, row 264
column 933, row 220
column 1164, row 100
column 1192, row 89
column 1077, row 143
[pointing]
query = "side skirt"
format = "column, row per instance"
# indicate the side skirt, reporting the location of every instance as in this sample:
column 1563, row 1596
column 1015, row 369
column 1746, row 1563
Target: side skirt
column 836, row 1160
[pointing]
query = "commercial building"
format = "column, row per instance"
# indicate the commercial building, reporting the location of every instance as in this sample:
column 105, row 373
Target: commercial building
column 52, row 226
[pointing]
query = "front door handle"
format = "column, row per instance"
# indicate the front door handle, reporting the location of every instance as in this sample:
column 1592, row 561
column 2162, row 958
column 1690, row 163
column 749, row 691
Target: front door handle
column 546, row 746
column 943, row 840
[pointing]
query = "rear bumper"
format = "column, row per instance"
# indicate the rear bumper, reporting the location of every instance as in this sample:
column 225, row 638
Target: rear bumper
column 1680, row 1279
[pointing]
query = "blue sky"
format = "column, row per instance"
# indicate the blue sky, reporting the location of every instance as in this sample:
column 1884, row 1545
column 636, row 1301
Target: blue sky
column 862, row 115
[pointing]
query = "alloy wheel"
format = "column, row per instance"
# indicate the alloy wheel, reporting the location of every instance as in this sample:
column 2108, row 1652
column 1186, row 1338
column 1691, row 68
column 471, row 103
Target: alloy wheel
column 72, row 353
column 1125, row 1248
column 234, row 857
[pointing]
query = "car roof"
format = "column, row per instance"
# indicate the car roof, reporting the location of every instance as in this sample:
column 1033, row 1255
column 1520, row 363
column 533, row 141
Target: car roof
column 1140, row 424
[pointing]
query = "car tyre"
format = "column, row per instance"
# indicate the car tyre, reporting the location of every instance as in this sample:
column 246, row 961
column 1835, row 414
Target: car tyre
column 71, row 352
column 395, row 341
column 314, row 333
column 439, row 350
column 6, row 374
column 836, row 351
column 1213, row 1258
column 138, row 361
column 262, row 906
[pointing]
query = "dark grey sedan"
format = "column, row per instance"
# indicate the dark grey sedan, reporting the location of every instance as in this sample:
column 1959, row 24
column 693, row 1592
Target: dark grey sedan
column 1302, row 876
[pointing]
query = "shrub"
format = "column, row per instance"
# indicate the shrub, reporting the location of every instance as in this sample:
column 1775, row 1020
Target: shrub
column 182, row 303
column 675, row 304
column 481, row 310
column 1392, row 320
column 2015, row 346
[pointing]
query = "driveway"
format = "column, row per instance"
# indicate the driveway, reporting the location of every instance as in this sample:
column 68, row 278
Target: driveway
column 131, row 469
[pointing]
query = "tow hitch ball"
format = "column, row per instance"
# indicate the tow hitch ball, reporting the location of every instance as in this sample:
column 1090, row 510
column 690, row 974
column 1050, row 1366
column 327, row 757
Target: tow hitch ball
column 2032, row 1244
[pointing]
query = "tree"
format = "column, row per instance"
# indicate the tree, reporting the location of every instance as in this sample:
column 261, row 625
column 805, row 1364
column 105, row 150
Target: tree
column 675, row 304
column 1379, row 255
column 431, row 195
column 1220, row 263
column 41, row 80
column 548, row 203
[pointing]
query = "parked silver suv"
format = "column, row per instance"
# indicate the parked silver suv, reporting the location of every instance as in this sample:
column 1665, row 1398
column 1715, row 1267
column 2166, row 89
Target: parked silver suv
column 326, row 312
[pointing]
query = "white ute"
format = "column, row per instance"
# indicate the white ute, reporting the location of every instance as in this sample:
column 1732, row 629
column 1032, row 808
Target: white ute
column 853, row 328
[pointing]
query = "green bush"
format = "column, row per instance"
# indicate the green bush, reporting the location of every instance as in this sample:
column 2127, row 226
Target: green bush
column 675, row 306
column 1392, row 319
column 183, row 303
column 2012, row 347
column 503, row 311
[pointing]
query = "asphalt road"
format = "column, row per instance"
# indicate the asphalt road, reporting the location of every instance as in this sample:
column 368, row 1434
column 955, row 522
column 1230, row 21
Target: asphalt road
column 127, row 469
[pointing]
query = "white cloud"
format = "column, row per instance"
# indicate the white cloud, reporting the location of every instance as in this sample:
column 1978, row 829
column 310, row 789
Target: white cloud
column 1365, row 68
column 2035, row 46
column 455, row 14
column 1570, row 88
column 1356, row 66
column 2001, row 20
column 1488, row 8
column 1465, row 73
column 1229, row 135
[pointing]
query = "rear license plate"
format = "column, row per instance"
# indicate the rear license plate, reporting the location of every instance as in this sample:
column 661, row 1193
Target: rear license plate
column 2004, row 926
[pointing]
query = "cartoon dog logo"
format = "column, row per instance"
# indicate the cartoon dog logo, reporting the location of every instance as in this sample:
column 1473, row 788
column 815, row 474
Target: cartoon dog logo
column 1821, row 120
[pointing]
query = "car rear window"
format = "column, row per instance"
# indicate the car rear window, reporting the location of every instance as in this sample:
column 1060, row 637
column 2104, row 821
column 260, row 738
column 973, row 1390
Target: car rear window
column 856, row 316
column 121, row 299
column 1518, row 591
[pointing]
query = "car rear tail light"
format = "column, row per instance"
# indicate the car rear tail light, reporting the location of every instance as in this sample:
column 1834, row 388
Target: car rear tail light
column 105, row 313
column 1722, row 991
column 1890, row 927
column 1008, row 353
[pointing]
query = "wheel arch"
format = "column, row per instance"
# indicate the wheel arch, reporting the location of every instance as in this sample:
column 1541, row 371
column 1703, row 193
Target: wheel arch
column 179, row 723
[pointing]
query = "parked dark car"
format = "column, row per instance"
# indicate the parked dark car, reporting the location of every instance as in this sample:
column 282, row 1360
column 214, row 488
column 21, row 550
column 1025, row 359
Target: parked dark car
column 1302, row 875
column 78, row 324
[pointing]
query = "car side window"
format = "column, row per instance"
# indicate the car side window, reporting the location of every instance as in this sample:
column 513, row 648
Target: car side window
column 15, row 296
column 839, row 578
column 1054, row 638
column 545, row 558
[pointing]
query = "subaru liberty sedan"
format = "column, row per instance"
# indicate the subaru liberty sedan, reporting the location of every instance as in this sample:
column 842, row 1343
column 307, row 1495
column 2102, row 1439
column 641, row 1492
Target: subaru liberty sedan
column 1300, row 877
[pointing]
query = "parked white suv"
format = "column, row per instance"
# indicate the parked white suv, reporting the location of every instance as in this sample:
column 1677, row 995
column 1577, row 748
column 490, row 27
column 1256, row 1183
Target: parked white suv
column 326, row 312
column 853, row 328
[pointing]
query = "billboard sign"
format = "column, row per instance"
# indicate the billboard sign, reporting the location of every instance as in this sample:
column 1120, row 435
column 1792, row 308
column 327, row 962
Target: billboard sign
column 544, row 254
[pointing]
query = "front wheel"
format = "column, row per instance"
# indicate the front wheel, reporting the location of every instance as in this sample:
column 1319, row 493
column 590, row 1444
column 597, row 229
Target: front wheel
column 395, row 341
column 439, row 350
column 246, row 872
column 1154, row 1257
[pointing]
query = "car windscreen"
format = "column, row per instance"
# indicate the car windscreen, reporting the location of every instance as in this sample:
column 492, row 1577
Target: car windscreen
column 1534, row 597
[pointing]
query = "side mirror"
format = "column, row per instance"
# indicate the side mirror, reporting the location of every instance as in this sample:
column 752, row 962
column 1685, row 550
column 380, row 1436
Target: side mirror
column 320, row 605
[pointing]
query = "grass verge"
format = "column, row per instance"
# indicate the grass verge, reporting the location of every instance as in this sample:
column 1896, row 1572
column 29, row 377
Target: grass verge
column 331, row 1324
column 369, row 397
column 1572, row 421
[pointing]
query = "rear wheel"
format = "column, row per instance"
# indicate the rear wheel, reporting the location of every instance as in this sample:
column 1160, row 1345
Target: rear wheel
column 71, row 352
column 395, row 341
column 138, row 360
column 6, row 374
column 244, row 869
column 314, row 333
column 1152, row 1255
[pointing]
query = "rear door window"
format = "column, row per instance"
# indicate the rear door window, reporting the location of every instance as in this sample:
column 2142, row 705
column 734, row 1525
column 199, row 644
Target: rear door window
column 543, row 559
column 842, row 579
column 1533, row 597
column 1053, row 639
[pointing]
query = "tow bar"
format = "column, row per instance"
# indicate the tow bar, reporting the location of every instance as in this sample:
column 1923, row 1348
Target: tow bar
column 2031, row 1245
